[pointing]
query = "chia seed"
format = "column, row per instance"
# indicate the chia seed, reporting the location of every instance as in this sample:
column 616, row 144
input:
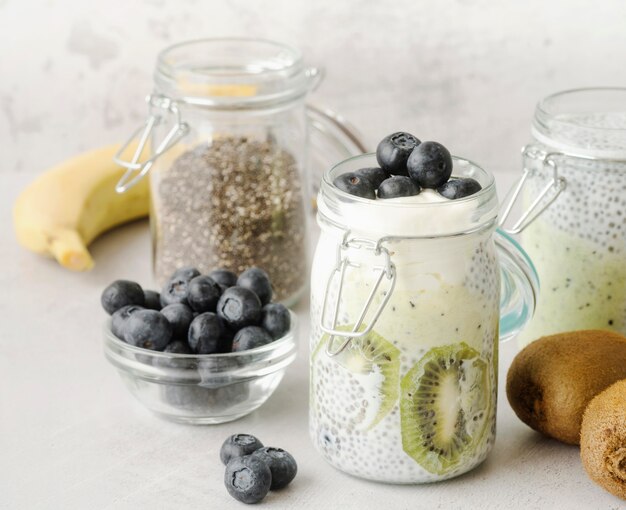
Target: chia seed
column 233, row 204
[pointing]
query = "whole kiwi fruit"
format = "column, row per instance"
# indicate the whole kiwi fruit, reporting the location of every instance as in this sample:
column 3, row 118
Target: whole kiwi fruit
column 553, row 379
column 603, row 439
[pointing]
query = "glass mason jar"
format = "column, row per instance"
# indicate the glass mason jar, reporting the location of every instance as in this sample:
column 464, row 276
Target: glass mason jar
column 406, row 312
column 228, row 134
column 578, row 244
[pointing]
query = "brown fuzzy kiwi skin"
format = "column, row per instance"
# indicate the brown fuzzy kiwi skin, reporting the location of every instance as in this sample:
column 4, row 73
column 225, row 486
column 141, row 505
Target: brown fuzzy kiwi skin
column 551, row 381
column 603, row 439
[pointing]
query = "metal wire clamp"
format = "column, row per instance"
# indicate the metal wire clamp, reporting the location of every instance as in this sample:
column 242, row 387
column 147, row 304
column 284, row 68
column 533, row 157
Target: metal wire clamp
column 557, row 184
column 156, row 104
column 386, row 269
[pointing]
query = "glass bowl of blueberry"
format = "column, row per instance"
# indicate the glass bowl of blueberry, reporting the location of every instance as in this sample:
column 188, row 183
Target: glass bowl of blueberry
column 206, row 349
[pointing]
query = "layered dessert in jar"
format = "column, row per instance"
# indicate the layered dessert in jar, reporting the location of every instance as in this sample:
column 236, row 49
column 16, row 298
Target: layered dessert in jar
column 405, row 305
column 578, row 244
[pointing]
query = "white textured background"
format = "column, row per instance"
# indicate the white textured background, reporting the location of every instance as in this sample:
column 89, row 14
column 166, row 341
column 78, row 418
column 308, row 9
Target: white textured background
column 73, row 73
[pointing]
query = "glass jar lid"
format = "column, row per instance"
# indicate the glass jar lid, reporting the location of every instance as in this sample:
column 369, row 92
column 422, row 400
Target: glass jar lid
column 589, row 123
column 233, row 73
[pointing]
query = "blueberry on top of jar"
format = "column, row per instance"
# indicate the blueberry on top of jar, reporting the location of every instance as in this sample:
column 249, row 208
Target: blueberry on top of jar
column 375, row 175
column 398, row 186
column 358, row 186
column 430, row 165
column 394, row 150
column 459, row 188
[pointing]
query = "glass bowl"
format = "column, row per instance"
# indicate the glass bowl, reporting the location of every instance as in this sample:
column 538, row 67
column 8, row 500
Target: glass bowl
column 201, row 388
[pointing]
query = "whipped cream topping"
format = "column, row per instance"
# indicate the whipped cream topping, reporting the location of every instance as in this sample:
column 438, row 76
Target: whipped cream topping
column 425, row 215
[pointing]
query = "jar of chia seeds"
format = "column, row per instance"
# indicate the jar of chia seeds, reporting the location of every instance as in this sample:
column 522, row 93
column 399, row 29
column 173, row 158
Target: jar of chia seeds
column 227, row 129
column 579, row 243
column 409, row 297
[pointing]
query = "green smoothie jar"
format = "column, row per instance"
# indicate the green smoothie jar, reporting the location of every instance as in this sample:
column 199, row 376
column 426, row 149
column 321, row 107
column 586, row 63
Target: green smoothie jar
column 578, row 244
column 409, row 297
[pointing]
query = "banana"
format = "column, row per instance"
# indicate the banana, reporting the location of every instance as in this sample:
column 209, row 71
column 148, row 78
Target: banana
column 62, row 211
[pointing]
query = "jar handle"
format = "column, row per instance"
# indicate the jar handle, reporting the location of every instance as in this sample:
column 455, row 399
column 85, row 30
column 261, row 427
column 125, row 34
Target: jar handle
column 386, row 269
column 519, row 285
column 135, row 169
column 540, row 203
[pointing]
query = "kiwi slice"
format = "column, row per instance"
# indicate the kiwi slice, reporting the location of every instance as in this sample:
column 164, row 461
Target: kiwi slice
column 370, row 362
column 445, row 406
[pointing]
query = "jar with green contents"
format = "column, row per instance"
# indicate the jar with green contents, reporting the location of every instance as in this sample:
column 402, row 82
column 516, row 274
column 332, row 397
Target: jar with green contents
column 578, row 244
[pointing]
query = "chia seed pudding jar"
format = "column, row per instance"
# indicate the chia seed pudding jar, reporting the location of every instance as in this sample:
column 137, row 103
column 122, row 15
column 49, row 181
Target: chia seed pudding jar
column 228, row 134
column 406, row 313
column 579, row 243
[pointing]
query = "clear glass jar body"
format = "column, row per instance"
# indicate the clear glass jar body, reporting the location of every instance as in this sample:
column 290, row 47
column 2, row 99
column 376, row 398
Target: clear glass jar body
column 579, row 243
column 432, row 352
column 231, row 192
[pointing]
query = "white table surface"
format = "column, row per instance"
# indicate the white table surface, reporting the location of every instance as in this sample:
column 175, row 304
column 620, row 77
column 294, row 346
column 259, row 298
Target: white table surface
column 72, row 437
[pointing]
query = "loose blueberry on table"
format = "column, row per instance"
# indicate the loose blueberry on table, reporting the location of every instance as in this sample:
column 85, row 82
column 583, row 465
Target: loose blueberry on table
column 407, row 166
column 282, row 465
column 248, row 479
column 239, row 445
column 248, row 464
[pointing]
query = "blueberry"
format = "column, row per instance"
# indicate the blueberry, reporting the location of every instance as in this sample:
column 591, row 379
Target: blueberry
column 152, row 299
column 375, row 175
column 239, row 307
column 176, row 290
column 148, row 329
column 282, row 465
column 398, row 186
column 247, row 479
column 430, row 165
column 256, row 280
column 224, row 277
column 394, row 150
column 203, row 294
column 250, row 337
column 185, row 273
column 239, row 445
column 276, row 320
column 205, row 333
column 121, row 293
column 351, row 183
column 177, row 347
column 459, row 188
column 120, row 317
column 179, row 316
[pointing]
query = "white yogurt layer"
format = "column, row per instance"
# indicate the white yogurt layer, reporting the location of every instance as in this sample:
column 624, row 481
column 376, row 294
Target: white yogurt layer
column 425, row 214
